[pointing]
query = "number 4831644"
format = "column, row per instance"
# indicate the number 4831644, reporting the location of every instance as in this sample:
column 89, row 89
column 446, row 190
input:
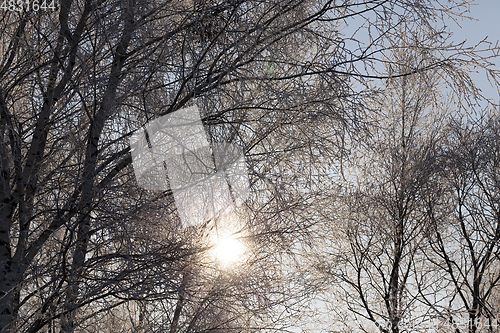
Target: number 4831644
column 27, row 5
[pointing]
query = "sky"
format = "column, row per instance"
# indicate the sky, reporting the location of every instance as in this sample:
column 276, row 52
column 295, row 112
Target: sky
column 487, row 24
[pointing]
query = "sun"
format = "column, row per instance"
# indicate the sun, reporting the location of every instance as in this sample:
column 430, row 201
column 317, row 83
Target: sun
column 229, row 250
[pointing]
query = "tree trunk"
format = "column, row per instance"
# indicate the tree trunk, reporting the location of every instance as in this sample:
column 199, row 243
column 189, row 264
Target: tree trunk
column 7, row 284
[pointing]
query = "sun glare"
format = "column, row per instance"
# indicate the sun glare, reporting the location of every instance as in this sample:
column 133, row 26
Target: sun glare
column 229, row 250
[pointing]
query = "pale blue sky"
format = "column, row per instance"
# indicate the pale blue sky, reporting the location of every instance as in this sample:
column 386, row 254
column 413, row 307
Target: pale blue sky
column 488, row 24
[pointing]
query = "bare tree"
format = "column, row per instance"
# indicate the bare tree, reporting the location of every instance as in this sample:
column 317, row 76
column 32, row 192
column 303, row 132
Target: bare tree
column 77, row 237
column 375, row 254
column 466, row 224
